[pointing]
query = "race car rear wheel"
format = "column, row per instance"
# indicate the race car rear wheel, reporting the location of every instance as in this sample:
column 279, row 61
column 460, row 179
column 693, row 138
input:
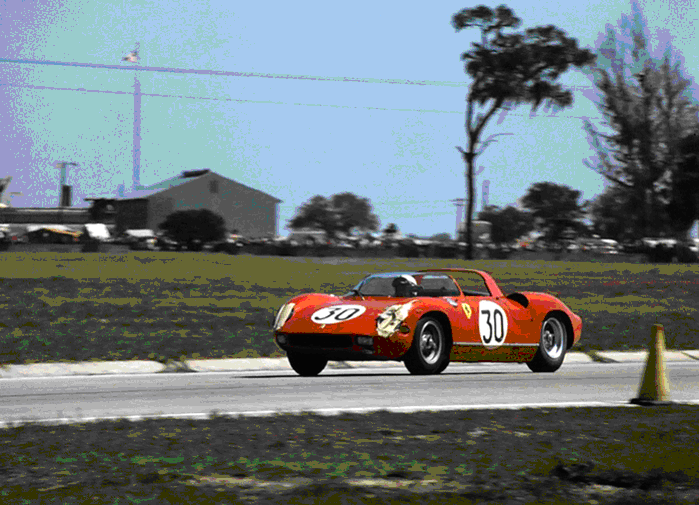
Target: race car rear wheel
column 307, row 365
column 429, row 352
column 552, row 346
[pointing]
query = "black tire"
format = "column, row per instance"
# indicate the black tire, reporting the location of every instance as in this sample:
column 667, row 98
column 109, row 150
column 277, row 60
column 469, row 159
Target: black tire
column 552, row 346
column 307, row 365
column 429, row 352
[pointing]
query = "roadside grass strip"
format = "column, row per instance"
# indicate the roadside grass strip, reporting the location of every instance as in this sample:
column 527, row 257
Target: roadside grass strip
column 562, row 455
column 70, row 307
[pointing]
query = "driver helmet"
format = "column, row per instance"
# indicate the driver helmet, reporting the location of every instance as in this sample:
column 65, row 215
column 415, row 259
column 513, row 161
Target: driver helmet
column 405, row 285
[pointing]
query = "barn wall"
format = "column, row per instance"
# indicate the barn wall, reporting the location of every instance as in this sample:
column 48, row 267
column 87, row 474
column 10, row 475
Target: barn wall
column 251, row 212
column 132, row 215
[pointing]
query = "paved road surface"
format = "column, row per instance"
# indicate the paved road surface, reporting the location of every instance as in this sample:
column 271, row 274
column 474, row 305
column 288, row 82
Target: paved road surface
column 249, row 392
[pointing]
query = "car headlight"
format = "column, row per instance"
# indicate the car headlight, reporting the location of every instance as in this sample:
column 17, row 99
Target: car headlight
column 284, row 314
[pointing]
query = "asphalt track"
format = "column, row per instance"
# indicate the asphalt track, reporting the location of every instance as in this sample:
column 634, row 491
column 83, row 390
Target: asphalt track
column 336, row 390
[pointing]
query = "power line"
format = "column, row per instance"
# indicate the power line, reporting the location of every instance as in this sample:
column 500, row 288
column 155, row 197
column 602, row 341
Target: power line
column 238, row 100
column 272, row 102
column 238, row 74
column 413, row 202
column 259, row 75
column 366, row 80
column 400, row 203
column 254, row 74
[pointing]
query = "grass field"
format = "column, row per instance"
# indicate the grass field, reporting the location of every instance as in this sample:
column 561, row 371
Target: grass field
column 141, row 305
column 78, row 307
column 594, row 455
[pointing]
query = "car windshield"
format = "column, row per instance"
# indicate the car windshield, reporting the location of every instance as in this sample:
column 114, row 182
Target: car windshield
column 407, row 285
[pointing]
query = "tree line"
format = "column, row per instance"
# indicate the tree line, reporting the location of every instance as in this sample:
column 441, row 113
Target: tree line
column 554, row 210
column 648, row 150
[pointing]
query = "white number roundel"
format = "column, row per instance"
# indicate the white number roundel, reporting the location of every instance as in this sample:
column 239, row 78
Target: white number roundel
column 492, row 323
column 337, row 314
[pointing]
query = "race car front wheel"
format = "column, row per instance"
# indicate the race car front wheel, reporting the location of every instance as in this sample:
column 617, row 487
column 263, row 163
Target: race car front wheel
column 552, row 346
column 429, row 352
column 307, row 365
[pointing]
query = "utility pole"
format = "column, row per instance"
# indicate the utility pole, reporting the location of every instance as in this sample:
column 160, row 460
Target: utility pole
column 472, row 205
column 64, row 189
column 476, row 173
column 459, row 202
column 133, row 57
column 469, row 158
column 485, row 192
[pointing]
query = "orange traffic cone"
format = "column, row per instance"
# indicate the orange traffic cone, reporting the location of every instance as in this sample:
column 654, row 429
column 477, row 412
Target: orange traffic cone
column 655, row 389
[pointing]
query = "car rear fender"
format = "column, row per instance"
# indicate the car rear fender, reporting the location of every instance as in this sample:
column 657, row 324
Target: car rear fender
column 540, row 299
column 568, row 324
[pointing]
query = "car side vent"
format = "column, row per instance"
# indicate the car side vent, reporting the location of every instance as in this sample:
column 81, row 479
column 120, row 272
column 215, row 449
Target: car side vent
column 519, row 298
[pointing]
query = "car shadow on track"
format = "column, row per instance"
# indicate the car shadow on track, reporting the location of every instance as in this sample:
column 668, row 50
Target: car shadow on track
column 346, row 374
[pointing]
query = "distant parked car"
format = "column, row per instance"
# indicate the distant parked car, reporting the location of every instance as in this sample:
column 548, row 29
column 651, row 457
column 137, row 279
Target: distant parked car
column 5, row 238
column 55, row 234
column 164, row 243
column 139, row 240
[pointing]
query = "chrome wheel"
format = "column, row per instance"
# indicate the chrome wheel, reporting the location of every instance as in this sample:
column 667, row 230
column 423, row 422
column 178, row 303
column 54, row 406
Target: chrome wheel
column 552, row 345
column 552, row 337
column 429, row 352
column 431, row 341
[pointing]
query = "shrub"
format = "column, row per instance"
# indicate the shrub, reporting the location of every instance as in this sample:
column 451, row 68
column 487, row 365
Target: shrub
column 194, row 227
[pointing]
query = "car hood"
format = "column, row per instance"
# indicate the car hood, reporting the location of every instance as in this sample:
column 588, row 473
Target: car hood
column 334, row 315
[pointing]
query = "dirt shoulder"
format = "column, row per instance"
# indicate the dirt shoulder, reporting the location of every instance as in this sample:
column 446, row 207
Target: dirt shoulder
column 550, row 455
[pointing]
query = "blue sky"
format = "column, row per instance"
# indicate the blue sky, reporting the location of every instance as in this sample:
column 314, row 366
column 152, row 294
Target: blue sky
column 292, row 138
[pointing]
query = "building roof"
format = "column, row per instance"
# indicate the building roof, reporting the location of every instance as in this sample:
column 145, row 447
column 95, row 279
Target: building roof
column 23, row 215
column 179, row 180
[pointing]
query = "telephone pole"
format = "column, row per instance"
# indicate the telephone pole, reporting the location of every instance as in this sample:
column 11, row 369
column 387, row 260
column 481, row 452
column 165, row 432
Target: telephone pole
column 133, row 57
column 459, row 202
column 64, row 189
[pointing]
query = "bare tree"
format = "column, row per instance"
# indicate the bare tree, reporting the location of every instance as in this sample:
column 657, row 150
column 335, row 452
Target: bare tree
column 509, row 70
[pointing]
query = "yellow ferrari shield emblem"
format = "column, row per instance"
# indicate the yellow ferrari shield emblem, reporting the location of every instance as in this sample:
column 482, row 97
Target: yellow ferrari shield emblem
column 467, row 309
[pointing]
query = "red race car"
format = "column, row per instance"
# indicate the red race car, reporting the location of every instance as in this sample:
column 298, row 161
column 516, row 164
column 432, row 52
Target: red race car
column 426, row 319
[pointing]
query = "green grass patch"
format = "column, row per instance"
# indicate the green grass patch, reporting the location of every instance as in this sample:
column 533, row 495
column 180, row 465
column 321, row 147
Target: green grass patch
column 549, row 455
column 73, row 307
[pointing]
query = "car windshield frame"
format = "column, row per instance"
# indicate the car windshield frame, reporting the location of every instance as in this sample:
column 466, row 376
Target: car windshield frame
column 429, row 289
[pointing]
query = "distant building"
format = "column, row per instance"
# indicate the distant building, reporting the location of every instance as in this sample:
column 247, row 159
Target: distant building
column 61, row 223
column 250, row 212
column 20, row 219
column 26, row 215
column 481, row 231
